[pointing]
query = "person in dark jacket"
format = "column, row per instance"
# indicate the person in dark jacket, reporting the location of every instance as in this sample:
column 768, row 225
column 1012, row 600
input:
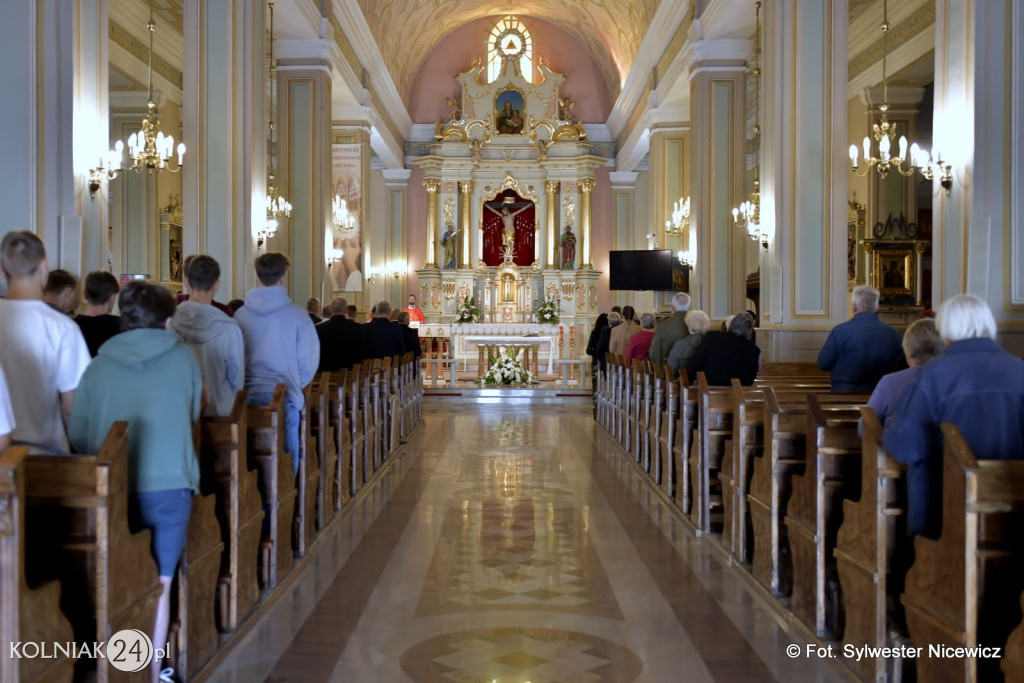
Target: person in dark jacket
column 604, row 340
column 381, row 337
column 725, row 355
column 341, row 340
column 595, row 334
column 97, row 324
column 976, row 386
column 861, row 350
column 410, row 335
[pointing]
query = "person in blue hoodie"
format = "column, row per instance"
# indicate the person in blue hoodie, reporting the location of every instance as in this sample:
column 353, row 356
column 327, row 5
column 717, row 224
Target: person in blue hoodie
column 148, row 378
column 213, row 336
column 281, row 346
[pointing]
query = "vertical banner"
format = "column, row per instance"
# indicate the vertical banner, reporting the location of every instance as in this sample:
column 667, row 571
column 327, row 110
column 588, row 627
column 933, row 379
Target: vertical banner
column 346, row 253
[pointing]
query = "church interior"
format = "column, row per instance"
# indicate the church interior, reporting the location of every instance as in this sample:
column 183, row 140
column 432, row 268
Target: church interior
column 491, row 166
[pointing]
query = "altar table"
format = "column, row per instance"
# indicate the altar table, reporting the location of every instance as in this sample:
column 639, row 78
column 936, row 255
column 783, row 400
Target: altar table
column 495, row 340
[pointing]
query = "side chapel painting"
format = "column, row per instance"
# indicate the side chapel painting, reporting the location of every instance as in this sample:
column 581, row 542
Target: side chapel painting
column 509, row 112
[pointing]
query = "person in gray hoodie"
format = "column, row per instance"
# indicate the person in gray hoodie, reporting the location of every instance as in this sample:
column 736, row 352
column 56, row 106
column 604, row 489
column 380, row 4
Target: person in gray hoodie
column 214, row 337
column 281, row 346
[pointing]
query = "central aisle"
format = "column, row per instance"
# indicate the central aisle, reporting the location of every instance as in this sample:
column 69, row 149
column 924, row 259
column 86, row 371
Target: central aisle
column 510, row 544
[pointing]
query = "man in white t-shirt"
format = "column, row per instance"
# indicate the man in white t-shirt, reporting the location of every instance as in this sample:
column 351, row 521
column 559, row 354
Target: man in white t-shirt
column 6, row 414
column 42, row 352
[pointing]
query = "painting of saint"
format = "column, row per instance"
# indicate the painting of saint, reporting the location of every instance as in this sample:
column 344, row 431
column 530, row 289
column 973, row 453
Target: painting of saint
column 509, row 112
column 894, row 276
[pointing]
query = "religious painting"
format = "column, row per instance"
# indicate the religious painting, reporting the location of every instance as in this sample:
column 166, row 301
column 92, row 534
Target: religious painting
column 509, row 112
column 171, row 245
column 894, row 271
column 345, row 246
column 854, row 229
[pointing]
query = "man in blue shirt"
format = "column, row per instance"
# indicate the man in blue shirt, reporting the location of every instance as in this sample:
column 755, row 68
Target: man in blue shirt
column 861, row 350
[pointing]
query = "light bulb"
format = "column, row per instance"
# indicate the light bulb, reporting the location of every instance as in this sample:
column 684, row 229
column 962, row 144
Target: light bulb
column 853, row 155
column 903, row 147
column 867, row 148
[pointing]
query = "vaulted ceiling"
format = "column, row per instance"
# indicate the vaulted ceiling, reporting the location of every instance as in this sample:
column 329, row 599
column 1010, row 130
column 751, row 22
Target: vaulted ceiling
column 406, row 30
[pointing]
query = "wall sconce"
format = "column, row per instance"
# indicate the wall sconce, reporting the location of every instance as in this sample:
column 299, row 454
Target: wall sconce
column 686, row 258
column 932, row 168
column 268, row 230
column 397, row 269
column 680, row 220
column 372, row 277
column 109, row 168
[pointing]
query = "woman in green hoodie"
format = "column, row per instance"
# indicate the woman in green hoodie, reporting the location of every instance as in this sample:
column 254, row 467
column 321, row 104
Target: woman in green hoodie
column 149, row 379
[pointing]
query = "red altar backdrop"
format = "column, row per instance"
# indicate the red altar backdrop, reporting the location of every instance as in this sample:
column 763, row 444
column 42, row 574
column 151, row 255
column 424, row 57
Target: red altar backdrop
column 524, row 221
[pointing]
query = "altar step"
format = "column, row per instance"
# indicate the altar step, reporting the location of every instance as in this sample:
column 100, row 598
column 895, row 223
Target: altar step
column 507, row 395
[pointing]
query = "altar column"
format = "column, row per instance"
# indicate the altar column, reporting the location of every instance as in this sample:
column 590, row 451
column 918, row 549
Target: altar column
column 431, row 185
column 586, row 187
column 465, row 222
column 551, row 221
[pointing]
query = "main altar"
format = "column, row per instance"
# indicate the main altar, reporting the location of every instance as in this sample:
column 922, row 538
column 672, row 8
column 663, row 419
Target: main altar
column 509, row 179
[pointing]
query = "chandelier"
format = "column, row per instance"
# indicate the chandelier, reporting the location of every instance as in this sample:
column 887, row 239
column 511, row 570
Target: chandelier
column 278, row 208
column 148, row 149
column 343, row 219
column 747, row 216
column 680, row 221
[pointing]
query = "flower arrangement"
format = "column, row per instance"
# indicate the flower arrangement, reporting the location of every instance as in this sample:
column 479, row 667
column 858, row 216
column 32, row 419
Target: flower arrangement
column 467, row 312
column 547, row 313
column 506, row 369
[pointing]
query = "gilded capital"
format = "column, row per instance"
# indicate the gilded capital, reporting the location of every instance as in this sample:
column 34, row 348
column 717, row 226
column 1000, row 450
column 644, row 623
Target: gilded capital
column 586, row 185
column 431, row 184
column 551, row 186
column 466, row 186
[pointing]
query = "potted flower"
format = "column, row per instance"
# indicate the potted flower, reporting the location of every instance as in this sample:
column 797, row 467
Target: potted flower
column 467, row 312
column 547, row 313
column 506, row 369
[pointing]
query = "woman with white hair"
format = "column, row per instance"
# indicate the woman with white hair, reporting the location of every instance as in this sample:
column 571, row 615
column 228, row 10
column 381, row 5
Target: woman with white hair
column 640, row 342
column 976, row 386
column 724, row 356
column 698, row 323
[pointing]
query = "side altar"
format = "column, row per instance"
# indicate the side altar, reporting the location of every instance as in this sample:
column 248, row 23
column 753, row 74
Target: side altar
column 508, row 180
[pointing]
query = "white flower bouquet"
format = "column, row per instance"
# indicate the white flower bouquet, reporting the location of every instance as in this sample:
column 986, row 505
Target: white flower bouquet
column 467, row 312
column 547, row 313
column 506, row 369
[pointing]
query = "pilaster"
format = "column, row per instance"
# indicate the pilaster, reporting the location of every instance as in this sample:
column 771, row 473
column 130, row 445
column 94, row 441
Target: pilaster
column 431, row 185
column 586, row 186
column 551, row 223
column 466, row 222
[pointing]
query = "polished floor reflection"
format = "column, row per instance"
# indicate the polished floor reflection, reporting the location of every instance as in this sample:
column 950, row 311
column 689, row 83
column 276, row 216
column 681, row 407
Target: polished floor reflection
column 513, row 544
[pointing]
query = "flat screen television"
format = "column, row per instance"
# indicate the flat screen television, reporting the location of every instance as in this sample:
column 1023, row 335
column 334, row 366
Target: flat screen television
column 640, row 270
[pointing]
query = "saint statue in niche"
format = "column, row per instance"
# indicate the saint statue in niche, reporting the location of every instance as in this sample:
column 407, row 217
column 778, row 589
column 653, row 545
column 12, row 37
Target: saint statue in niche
column 568, row 245
column 449, row 243
column 508, row 223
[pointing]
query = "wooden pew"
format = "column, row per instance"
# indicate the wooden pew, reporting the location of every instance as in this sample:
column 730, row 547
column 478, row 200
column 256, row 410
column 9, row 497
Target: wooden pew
column 326, row 451
column 659, row 467
column 357, row 433
column 1013, row 658
column 962, row 589
column 77, row 531
column 193, row 635
column 337, row 400
column 872, row 525
column 388, row 406
column 26, row 614
column 683, row 445
column 307, row 479
column 369, row 407
column 628, row 424
column 714, row 427
column 637, row 410
column 832, row 473
column 225, row 467
column 668, row 429
column 277, row 487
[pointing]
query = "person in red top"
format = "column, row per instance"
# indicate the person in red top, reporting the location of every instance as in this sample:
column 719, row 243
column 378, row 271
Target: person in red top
column 640, row 342
column 415, row 314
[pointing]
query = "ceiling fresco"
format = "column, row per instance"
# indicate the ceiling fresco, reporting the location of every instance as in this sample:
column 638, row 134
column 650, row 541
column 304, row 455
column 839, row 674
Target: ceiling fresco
column 407, row 30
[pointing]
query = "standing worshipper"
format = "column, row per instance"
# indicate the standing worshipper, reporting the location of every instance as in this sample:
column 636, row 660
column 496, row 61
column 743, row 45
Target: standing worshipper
column 42, row 351
column 97, row 323
column 670, row 330
column 381, row 337
column 313, row 308
column 341, row 341
column 861, row 350
column 214, row 337
column 59, row 290
column 281, row 346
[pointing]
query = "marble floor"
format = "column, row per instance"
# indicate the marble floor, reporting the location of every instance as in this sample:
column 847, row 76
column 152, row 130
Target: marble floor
column 514, row 544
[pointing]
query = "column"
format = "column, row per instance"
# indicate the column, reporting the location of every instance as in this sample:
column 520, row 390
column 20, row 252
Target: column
column 551, row 223
column 304, row 162
column 586, row 187
column 431, row 185
column 978, row 233
column 718, row 102
column 804, row 175
column 224, row 183
column 396, row 183
column 465, row 223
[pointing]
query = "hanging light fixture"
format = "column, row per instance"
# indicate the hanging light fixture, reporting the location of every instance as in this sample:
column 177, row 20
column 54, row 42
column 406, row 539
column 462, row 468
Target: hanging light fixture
column 343, row 219
column 148, row 149
column 278, row 208
column 680, row 221
column 747, row 216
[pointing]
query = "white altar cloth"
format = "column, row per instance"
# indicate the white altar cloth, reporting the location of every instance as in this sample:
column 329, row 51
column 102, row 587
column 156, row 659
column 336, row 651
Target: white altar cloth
column 497, row 340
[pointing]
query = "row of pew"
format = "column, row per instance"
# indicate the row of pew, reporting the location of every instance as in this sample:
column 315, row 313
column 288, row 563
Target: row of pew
column 776, row 478
column 73, row 569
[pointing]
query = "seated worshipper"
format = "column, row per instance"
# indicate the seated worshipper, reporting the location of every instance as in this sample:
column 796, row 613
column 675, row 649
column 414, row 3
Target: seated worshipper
column 214, row 337
column 325, row 312
column 621, row 334
column 381, row 338
column 148, row 378
column 42, row 351
column 725, row 355
column 281, row 346
column 6, row 414
column 640, row 343
column 921, row 343
column 313, row 308
column 671, row 329
column 59, row 291
column 604, row 340
column 341, row 340
column 97, row 324
column 976, row 386
column 411, row 335
column 681, row 355
column 595, row 335
column 861, row 350
column 353, row 313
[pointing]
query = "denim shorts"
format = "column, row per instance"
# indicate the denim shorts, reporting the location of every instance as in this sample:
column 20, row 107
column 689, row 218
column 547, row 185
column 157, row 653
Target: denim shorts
column 292, row 423
column 166, row 514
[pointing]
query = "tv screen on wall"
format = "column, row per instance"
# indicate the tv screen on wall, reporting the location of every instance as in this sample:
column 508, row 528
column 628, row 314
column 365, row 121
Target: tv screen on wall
column 640, row 270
